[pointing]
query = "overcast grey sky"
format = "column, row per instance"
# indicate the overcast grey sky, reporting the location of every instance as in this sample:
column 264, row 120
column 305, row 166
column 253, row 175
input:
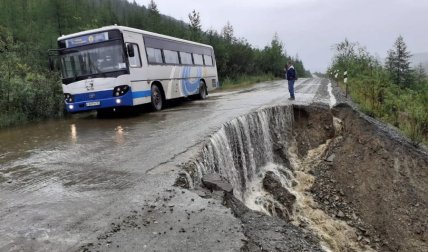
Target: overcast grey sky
column 309, row 28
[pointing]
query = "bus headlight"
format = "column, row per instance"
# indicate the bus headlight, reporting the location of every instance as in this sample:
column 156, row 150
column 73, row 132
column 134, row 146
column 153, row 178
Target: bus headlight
column 71, row 106
column 120, row 90
column 118, row 101
column 68, row 98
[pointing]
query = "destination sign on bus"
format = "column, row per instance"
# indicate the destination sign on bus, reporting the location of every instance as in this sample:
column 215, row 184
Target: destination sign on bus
column 86, row 40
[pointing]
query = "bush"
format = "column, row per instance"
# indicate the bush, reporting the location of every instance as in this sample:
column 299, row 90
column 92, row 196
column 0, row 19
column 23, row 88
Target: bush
column 369, row 85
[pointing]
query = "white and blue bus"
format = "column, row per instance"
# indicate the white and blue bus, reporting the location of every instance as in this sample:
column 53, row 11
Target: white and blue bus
column 117, row 66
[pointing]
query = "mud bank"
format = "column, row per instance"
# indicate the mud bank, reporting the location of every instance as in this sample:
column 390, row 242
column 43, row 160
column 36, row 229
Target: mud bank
column 311, row 178
column 375, row 181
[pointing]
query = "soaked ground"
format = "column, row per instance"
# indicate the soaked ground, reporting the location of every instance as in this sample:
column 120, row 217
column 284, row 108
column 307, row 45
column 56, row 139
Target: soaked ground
column 63, row 183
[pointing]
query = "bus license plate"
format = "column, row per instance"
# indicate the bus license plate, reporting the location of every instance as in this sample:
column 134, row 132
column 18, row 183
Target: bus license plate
column 91, row 104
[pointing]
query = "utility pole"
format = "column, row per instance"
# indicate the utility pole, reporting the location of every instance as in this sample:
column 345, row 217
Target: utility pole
column 336, row 74
column 345, row 80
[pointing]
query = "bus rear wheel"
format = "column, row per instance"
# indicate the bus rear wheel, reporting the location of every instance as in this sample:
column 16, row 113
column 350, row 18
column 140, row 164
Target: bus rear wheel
column 202, row 91
column 157, row 99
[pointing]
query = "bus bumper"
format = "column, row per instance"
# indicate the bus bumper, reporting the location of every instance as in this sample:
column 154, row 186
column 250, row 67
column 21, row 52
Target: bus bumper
column 98, row 100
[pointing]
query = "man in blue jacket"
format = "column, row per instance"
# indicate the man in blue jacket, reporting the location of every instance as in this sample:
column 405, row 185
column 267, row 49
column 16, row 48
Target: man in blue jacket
column 291, row 76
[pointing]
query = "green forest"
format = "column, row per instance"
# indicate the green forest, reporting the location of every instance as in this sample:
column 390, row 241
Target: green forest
column 392, row 91
column 28, row 28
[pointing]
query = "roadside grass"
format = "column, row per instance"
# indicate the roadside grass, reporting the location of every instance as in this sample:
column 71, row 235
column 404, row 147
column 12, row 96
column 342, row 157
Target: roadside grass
column 402, row 108
column 12, row 119
column 245, row 81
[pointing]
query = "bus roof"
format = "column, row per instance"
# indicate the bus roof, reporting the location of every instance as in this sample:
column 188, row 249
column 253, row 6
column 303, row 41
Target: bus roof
column 125, row 28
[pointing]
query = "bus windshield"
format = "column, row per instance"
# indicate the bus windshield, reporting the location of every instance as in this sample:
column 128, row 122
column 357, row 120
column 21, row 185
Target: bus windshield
column 87, row 61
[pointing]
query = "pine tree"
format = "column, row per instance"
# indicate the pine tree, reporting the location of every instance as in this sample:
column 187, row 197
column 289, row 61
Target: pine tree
column 195, row 25
column 153, row 17
column 273, row 57
column 227, row 32
column 420, row 75
column 153, row 7
column 398, row 64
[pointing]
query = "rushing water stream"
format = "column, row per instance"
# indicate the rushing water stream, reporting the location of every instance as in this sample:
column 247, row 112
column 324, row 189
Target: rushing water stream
column 242, row 147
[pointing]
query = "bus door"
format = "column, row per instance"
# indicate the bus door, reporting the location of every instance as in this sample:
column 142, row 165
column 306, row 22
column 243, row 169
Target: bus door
column 139, row 85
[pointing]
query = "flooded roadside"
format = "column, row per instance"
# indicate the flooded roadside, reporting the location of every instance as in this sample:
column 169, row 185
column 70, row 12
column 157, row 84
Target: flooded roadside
column 63, row 182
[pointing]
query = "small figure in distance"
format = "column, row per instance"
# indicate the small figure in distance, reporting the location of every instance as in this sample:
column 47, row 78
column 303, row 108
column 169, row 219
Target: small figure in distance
column 291, row 76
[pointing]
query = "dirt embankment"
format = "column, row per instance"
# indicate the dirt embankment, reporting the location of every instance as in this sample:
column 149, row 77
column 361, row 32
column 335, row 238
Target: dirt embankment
column 358, row 186
column 375, row 182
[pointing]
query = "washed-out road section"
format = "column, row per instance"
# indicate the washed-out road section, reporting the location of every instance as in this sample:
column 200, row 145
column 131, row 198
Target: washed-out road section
column 74, row 182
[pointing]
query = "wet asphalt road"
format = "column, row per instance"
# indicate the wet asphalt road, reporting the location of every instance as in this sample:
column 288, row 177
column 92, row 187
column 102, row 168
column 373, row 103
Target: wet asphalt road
column 63, row 182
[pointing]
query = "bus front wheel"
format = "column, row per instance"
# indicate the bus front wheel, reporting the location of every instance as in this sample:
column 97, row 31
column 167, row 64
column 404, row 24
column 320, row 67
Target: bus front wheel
column 157, row 100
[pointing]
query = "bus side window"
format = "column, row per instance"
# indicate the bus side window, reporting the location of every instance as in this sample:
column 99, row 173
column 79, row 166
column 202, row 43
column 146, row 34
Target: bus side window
column 171, row 57
column 154, row 56
column 208, row 60
column 136, row 60
column 197, row 59
column 186, row 58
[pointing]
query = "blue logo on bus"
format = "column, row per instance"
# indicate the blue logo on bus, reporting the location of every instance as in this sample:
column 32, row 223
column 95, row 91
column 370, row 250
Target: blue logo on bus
column 189, row 87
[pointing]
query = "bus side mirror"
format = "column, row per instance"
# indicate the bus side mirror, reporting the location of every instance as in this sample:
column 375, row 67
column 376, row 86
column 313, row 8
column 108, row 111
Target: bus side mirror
column 53, row 55
column 51, row 64
column 130, row 50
